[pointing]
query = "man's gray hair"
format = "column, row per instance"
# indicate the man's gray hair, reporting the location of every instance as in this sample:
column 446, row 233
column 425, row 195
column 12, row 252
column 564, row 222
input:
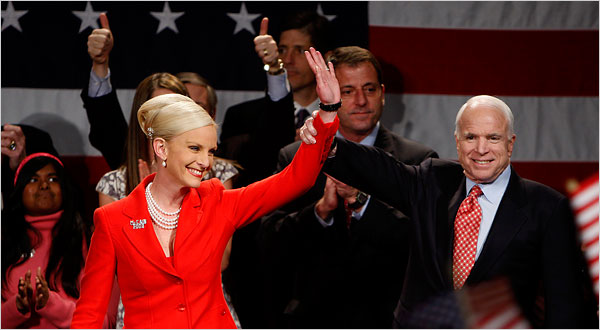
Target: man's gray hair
column 489, row 101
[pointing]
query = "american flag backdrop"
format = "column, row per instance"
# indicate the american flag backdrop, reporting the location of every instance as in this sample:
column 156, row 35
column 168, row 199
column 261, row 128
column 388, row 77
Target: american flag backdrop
column 540, row 57
column 585, row 205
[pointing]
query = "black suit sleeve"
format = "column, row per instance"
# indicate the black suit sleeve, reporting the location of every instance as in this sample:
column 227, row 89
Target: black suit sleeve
column 564, row 273
column 254, row 132
column 108, row 127
column 375, row 172
column 274, row 131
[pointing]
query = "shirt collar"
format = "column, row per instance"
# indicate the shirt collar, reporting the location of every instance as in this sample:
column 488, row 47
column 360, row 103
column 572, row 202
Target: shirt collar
column 369, row 140
column 493, row 191
column 310, row 108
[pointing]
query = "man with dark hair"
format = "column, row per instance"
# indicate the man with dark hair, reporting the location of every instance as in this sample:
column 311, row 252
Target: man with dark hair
column 247, row 138
column 290, row 95
column 337, row 256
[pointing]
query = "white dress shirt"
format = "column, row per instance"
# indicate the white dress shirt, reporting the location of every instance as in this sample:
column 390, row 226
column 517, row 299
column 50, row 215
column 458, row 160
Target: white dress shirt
column 489, row 202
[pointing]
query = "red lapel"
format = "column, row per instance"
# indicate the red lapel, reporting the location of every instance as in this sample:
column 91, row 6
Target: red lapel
column 191, row 213
column 144, row 239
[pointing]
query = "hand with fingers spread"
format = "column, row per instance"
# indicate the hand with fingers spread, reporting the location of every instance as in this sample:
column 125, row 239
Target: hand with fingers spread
column 42, row 293
column 266, row 47
column 13, row 145
column 328, row 87
column 100, row 43
column 25, row 294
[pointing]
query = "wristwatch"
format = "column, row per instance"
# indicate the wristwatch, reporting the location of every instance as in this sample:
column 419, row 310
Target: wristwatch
column 361, row 199
column 278, row 65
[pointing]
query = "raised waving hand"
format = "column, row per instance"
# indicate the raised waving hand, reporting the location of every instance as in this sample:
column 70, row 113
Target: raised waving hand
column 328, row 90
column 328, row 87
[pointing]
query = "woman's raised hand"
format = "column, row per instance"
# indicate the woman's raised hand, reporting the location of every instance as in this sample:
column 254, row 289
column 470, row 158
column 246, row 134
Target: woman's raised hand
column 328, row 87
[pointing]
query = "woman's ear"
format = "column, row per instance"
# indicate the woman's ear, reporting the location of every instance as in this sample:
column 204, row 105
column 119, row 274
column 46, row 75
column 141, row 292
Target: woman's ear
column 160, row 148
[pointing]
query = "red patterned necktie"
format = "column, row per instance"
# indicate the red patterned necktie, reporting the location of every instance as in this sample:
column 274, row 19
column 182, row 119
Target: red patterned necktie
column 466, row 230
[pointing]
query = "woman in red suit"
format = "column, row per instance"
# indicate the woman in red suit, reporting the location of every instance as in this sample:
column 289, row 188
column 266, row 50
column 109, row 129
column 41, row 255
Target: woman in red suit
column 166, row 239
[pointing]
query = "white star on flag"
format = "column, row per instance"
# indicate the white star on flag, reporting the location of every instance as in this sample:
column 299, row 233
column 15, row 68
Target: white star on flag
column 320, row 12
column 243, row 20
column 167, row 19
column 88, row 17
column 10, row 17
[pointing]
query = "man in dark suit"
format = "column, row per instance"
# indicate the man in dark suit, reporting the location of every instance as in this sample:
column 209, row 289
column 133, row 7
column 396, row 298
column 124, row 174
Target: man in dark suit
column 291, row 96
column 336, row 255
column 247, row 138
column 521, row 230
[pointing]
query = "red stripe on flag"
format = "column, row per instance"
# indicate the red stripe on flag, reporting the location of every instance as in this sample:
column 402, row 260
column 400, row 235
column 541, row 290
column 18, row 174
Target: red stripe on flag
column 591, row 242
column 583, row 227
column 593, row 261
column 555, row 174
column 492, row 313
column 592, row 202
column 587, row 183
column 498, row 62
column 512, row 322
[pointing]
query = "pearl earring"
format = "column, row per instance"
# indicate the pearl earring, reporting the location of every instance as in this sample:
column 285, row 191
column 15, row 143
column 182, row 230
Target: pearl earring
column 164, row 163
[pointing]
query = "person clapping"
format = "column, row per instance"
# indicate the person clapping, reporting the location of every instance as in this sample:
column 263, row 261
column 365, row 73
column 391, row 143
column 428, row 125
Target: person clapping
column 43, row 246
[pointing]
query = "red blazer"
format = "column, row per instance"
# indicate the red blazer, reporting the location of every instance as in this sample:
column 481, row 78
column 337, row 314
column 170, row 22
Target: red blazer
column 187, row 292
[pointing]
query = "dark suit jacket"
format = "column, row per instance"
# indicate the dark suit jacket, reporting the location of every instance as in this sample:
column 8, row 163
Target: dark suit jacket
column 108, row 127
column 532, row 241
column 252, row 134
column 338, row 277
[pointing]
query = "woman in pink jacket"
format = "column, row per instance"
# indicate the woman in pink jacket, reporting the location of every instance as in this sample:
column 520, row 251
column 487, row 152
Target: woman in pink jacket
column 43, row 247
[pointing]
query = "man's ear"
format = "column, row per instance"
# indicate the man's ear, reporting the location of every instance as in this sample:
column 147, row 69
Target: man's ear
column 382, row 94
column 159, row 145
column 511, row 144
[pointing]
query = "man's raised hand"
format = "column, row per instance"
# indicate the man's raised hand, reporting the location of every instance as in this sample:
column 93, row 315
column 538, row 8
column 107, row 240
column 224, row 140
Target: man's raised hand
column 265, row 45
column 100, row 43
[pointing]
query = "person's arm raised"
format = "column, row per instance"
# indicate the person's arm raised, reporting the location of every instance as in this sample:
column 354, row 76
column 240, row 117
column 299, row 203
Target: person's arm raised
column 100, row 43
column 266, row 47
column 328, row 87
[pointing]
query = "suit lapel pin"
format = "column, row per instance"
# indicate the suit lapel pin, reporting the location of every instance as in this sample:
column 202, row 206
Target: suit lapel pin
column 137, row 224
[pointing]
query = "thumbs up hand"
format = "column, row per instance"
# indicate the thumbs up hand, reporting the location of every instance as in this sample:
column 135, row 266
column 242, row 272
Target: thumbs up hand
column 265, row 45
column 100, row 43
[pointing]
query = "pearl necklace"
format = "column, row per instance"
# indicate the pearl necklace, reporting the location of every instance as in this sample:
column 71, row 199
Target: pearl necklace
column 158, row 215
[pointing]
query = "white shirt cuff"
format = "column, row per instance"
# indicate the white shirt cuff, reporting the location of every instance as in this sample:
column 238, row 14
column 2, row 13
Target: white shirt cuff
column 324, row 223
column 358, row 215
column 99, row 86
column 278, row 86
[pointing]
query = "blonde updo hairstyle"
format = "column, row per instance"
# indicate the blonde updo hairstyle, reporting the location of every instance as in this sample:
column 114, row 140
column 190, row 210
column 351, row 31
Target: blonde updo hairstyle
column 166, row 116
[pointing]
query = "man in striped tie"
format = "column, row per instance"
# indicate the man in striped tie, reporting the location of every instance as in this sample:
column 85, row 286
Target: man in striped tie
column 477, row 220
